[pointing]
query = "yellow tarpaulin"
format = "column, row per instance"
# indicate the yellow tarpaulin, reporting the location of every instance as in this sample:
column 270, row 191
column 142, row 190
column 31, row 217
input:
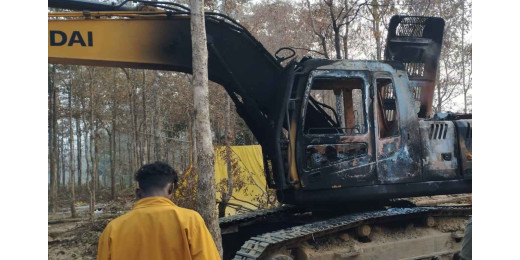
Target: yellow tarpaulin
column 248, row 176
column 249, row 184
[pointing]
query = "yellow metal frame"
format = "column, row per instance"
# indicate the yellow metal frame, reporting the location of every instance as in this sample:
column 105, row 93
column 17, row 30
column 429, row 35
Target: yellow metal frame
column 142, row 41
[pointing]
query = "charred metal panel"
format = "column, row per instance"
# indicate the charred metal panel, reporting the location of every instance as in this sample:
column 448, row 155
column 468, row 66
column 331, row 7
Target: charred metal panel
column 440, row 150
column 464, row 134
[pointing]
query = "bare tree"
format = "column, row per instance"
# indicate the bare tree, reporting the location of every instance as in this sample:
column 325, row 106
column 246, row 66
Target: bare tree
column 157, row 125
column 346, row 14
column 467, row 87
column 78, row 143
column 206, row 197
column 321, row 34
column 71, row 154
column 62, row 154
column 112, row 139
column 93, row 148
column 53, row 140
column 379, row 12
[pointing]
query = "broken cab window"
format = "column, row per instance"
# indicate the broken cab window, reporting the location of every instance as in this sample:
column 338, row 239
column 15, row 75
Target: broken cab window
column 328, row 154
column 387, row 108
column 335, row 106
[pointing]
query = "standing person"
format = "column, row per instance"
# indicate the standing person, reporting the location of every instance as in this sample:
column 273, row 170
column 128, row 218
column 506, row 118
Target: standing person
column 156, row 228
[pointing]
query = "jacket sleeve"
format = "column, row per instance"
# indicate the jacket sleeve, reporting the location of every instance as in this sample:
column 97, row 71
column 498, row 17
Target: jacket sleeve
column 202, row 246
column 104, row 244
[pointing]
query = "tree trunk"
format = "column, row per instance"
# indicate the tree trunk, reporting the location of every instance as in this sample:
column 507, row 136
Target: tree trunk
column 375, row 27
column 130, row 161
column 113, row 158
column 132, row 99
column 59, row 160
column 113, row 144
column 112, row 151
column 206, row 197
column 137, row 140
column 93, row 147
column 145, row 143
column 62, row 156
column 71, row 153
column 53, row 151
column 337, row 43
column 347, row 25
column 119, row 158
column 89, row 168
column 464, row 65
column 345, row 43
column 78, row 141
column 157, row 124
column 226, row 195
column 95, row 163
column 335, row 29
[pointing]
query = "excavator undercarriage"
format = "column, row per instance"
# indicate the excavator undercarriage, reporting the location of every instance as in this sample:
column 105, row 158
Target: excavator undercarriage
column 370, row 233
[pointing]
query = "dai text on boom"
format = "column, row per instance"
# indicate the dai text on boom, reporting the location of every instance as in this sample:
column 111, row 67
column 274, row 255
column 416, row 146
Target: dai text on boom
column 59, row 38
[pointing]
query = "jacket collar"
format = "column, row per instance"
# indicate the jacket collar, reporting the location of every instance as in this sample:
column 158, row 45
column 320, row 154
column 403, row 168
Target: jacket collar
column 153, row 202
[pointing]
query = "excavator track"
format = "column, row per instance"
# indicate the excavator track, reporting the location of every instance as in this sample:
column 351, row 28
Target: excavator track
column 260, row 246
column 254, row 215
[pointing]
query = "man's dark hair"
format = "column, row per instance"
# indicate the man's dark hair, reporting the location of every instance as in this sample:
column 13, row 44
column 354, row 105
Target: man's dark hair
column 155, row 176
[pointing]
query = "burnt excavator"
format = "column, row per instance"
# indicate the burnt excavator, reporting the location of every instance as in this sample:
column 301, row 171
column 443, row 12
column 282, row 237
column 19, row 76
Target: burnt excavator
column 341, row 139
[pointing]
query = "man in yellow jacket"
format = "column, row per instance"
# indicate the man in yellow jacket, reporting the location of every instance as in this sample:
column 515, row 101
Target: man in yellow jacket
column 156, row 228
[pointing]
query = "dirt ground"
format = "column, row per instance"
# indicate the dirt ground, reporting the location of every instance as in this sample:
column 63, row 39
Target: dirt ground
column 77, row 238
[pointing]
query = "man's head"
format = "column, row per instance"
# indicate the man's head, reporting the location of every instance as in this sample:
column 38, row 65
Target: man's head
column 156, row 179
